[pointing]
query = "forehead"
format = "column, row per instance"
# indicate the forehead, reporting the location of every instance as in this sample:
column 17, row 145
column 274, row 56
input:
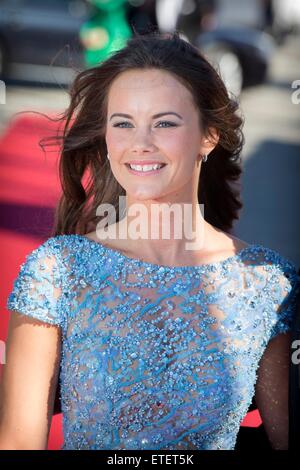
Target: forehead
column 146, row 82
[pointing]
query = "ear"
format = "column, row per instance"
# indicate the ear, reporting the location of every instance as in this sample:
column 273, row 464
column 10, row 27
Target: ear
column 209, row 141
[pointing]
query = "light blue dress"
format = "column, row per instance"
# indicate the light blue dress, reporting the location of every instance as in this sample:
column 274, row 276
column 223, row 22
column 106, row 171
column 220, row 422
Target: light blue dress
column 155, row 357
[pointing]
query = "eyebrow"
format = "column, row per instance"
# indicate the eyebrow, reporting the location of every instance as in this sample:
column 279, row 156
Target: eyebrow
column 154, row 116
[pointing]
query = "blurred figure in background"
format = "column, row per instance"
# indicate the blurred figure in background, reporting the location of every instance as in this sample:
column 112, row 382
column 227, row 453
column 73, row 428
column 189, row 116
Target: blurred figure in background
column 167, row 12
column 141, row 15
column 197, row 16
column 106, row 31
column 229, row 33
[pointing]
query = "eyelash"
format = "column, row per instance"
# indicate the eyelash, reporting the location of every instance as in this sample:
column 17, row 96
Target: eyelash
column 171, row 124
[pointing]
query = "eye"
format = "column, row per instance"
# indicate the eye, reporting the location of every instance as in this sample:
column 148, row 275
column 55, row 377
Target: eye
column 126, row 124
column 120, row 124
column 166, row 124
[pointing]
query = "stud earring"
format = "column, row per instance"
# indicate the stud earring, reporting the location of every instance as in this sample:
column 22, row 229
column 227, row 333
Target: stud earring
column 108, row 156
column 204, row 158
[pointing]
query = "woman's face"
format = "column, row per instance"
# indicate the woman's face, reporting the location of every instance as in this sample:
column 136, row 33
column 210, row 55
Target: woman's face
column 151, row 117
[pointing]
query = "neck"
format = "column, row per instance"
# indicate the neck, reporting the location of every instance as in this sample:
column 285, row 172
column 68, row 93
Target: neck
column 165, row 230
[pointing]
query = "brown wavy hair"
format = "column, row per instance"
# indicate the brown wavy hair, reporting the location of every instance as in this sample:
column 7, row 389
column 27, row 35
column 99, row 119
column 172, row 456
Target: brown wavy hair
column 86, row 178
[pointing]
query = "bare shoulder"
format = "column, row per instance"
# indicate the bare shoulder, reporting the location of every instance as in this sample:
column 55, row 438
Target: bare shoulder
column 226, row 243
column 238, row 243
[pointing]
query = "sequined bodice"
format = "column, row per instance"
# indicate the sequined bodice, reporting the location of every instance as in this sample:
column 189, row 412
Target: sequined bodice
column 155, row 357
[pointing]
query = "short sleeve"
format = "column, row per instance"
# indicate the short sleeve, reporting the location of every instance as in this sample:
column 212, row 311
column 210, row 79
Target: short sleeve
column 287, row 283
column 37, row 289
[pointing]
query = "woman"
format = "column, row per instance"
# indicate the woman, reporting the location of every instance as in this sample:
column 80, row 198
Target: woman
column 162, row 340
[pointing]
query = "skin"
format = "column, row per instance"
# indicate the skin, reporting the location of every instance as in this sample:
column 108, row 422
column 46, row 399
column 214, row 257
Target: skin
column 178, row 141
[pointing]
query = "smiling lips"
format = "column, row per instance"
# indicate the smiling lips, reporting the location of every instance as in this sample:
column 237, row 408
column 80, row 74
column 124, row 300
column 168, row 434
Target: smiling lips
column 144, row 169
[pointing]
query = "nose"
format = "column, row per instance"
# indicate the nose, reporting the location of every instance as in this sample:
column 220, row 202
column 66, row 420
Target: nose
column 142, row 141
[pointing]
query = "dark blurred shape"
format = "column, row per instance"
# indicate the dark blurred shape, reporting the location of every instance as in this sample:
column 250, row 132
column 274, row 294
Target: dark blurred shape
column 252, row 49
column 142, row 15
column 252, row 438
column 196, row 16
column 35, row 34
column 230, row 33
column 31, row 220
column 294, row 383
column 40, row 41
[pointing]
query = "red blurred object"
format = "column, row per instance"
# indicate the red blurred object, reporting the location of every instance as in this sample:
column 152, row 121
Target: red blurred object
column 56, row 439
column 252, row 419
column 29, row 190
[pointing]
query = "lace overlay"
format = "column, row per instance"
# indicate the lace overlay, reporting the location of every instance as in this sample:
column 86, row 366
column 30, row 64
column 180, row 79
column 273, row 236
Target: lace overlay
column 155, row 357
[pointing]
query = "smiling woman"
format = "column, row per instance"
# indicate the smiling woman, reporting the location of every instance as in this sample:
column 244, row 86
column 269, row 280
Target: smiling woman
column 161, row 347
column 144, row 139
column 174, row 105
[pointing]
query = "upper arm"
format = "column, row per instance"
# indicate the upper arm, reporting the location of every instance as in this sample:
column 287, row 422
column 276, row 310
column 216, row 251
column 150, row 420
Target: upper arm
column 29, row 380
column 272, row 386
column 30, row 375
column 271, row 390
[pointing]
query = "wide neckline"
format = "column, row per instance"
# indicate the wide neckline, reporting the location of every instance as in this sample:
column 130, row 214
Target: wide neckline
column 237, row 257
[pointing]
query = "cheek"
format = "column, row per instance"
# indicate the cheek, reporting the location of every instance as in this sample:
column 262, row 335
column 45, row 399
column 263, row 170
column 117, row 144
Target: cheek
column 175, row 140
column 115, row 143
column 171, row 141
column 177, row 145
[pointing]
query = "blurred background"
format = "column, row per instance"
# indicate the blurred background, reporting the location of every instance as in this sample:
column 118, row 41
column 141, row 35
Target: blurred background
column 254, row 45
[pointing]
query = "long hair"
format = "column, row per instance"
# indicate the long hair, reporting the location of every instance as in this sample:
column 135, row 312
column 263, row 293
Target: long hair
column 86, row 178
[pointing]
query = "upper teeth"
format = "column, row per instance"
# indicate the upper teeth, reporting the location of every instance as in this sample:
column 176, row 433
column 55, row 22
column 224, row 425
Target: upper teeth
column 145, row 167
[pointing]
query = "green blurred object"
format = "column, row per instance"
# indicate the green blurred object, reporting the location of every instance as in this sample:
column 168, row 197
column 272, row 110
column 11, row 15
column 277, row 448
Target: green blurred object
column 106, row 31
